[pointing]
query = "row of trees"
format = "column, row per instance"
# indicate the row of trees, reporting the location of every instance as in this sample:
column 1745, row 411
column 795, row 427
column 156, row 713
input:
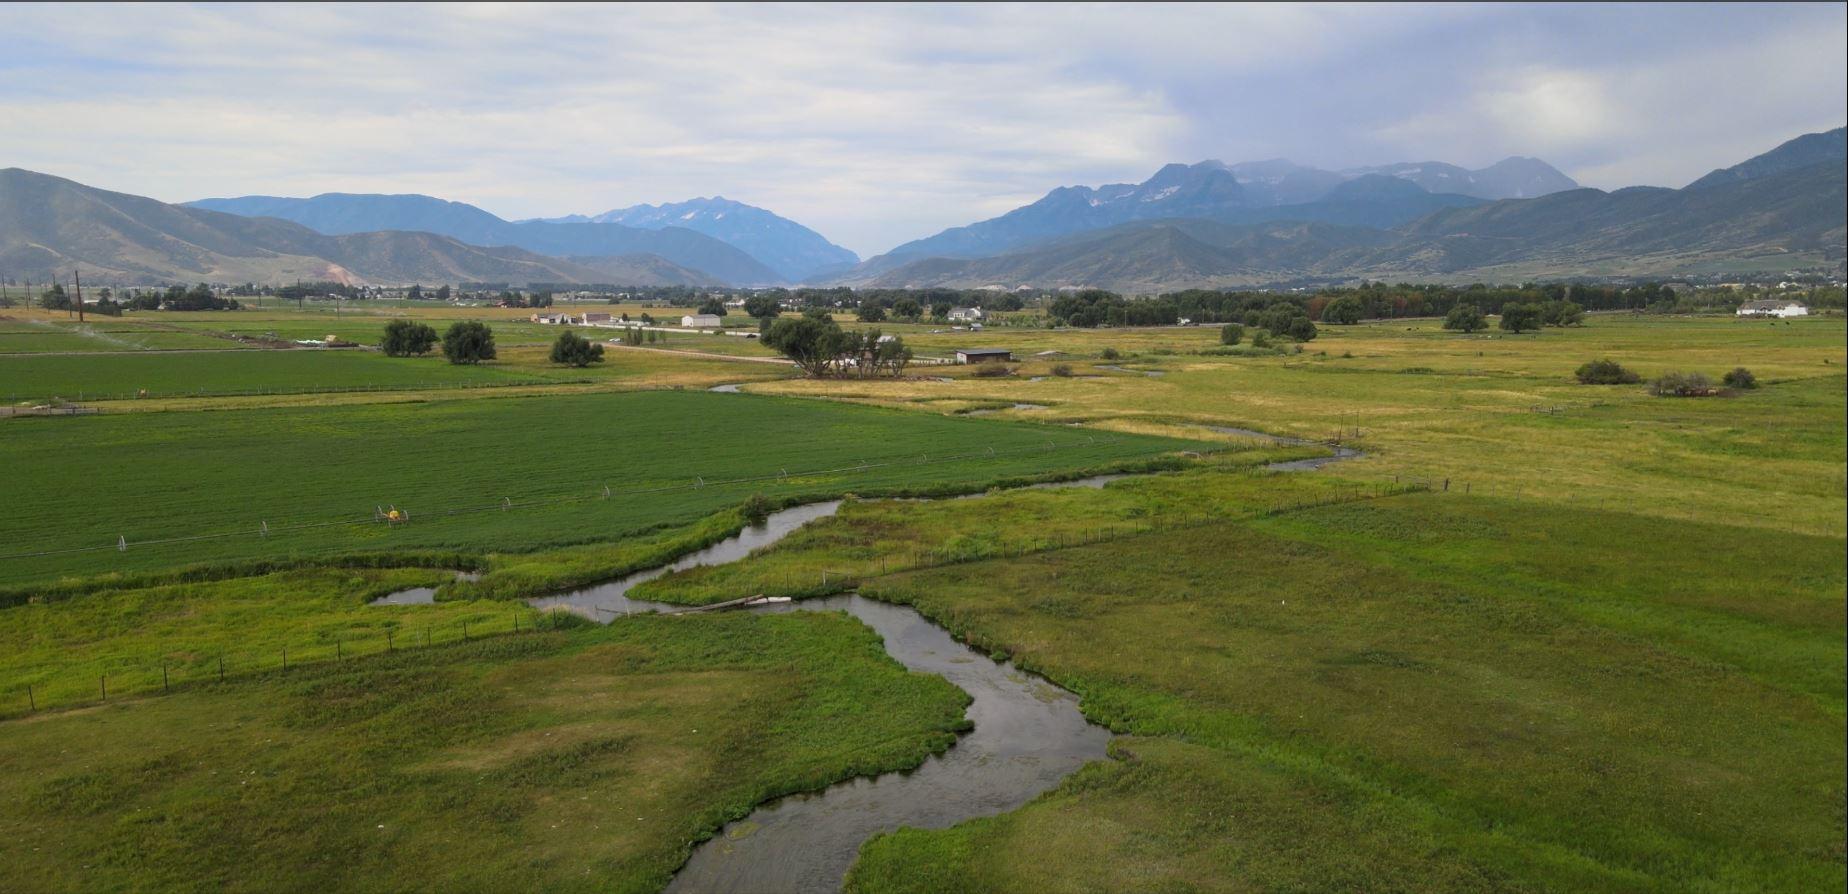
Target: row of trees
column 1516, row 317
column 820, row 347
column 471, row 341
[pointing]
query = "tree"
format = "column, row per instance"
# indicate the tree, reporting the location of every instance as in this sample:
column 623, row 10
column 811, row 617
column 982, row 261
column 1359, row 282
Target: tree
column 1522, row 317
column 871, row 313
column 442, row 292
column 54, row 298
column 407, row 338
column 1465, row 318
column 713, row 306
column 763, row 307
column 1231, row 334
column 573, row 349
column 468, row 342
column 1605, row 372
column 1563, row 313
column 1344, row 311
column 940, row 309
column 415, row 293
column 1740, row 378
column 907, row 309
column 1301, row 329
column 808, row 341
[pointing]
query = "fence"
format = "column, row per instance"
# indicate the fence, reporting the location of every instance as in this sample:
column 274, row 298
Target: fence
column 84, row 394
column 119, row 678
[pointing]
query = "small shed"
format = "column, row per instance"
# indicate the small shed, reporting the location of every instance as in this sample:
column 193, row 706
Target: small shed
column 984, row 355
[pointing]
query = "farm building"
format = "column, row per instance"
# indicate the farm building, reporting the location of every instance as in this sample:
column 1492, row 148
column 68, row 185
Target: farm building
column 965, row 315
column 984, row 355
column 552, row 319
column 1773, row 308
column 596, row 319
column 701, row 321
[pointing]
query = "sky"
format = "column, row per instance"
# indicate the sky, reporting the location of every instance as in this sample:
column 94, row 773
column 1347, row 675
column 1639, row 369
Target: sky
column 879, row 124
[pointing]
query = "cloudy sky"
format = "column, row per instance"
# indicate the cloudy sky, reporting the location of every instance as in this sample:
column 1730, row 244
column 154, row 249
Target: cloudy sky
column 879, row 124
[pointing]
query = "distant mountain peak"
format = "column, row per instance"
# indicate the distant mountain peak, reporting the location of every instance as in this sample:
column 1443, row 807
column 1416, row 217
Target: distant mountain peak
column 791, row 249
column 1808, row 149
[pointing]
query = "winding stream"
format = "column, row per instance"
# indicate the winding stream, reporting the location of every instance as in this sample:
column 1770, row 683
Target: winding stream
column 1028, row 734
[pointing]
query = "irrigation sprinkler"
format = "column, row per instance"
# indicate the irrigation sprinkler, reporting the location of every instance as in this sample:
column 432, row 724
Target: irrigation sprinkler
column 263, row 529
column 506, row 503
column 121, row 544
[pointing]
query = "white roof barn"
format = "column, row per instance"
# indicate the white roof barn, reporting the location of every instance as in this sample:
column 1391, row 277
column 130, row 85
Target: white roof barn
column 701, row 321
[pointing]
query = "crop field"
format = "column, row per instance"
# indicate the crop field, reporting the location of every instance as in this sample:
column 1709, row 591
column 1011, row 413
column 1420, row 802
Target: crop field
column 123, row 376
column 454, row 464
column 584, row 760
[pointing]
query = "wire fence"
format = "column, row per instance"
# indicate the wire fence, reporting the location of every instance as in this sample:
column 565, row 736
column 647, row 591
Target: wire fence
column 85, row 394
column 119, row 677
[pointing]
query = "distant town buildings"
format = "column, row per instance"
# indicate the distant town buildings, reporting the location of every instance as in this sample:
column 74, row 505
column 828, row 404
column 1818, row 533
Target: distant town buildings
column 1773, row 307
column 965, row 315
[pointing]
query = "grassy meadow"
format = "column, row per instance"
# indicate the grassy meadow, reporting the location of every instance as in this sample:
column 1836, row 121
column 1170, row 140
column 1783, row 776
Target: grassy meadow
column 582, row 760
column 1418, row 692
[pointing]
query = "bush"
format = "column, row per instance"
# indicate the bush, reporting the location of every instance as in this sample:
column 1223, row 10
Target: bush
column 1677, row 384
column 1063, row 371
column 1110, row 354
column 1260, row 339
column 575, row 350
column 756, row 509
column 1301, row 329
column 1606, row 372
column 468, row 342
column 1740, row 378
column 1465, row 318
column 1231, row 334
column 406, row 338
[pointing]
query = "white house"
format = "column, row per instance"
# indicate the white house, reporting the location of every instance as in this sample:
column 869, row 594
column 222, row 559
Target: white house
column 965, row 315
column 552, row 319
column 1775, row 307
column 701, row 321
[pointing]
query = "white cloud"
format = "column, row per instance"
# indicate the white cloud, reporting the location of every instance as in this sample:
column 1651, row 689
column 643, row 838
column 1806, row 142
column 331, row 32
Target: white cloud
column 876, row 124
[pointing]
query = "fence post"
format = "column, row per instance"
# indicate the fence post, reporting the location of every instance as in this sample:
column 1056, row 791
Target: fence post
column 31, row 698
column 285, row 657
column 388, row 643
column 104, row 682
column 465, row 631
column 221, row 668
column 163, row 677
column 338, row 652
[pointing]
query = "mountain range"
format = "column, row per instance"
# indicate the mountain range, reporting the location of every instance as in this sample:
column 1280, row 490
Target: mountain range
column 337, row 214
column 1248, row 192
column 1204, row 224
column 1778, row 210
column 794, row 251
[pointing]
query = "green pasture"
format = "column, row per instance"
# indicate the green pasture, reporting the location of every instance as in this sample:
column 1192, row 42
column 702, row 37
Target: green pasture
column 666, row 457
column 1423, row 692
column 123, row 376
column 582, row 760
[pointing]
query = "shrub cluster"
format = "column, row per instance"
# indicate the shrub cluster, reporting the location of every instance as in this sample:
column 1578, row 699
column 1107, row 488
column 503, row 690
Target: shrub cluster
column 1606, row 372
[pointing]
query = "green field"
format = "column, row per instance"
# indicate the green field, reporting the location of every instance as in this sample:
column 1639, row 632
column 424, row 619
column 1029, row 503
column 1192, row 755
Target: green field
column 123, row 376
column 453, row 464
column 577, row 761
column 1540, row 637
column 1421, row 692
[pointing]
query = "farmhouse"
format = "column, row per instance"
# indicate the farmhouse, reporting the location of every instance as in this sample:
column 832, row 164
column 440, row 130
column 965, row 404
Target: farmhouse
column 701, row 321
column 965, row 315
column 1775, row 307
column 984, row 355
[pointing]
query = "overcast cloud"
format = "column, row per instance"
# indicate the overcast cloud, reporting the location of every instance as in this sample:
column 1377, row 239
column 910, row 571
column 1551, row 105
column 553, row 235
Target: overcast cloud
column 880, row 124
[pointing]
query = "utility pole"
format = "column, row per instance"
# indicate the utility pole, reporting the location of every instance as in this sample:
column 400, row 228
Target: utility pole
column 77, row 286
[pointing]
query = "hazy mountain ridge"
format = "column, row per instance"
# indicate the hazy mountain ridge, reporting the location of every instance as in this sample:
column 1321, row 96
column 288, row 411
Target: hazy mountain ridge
column 791, row 249
column 1248, row 192
column 1791, row 216
column 345, row 213
column 50, row 226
